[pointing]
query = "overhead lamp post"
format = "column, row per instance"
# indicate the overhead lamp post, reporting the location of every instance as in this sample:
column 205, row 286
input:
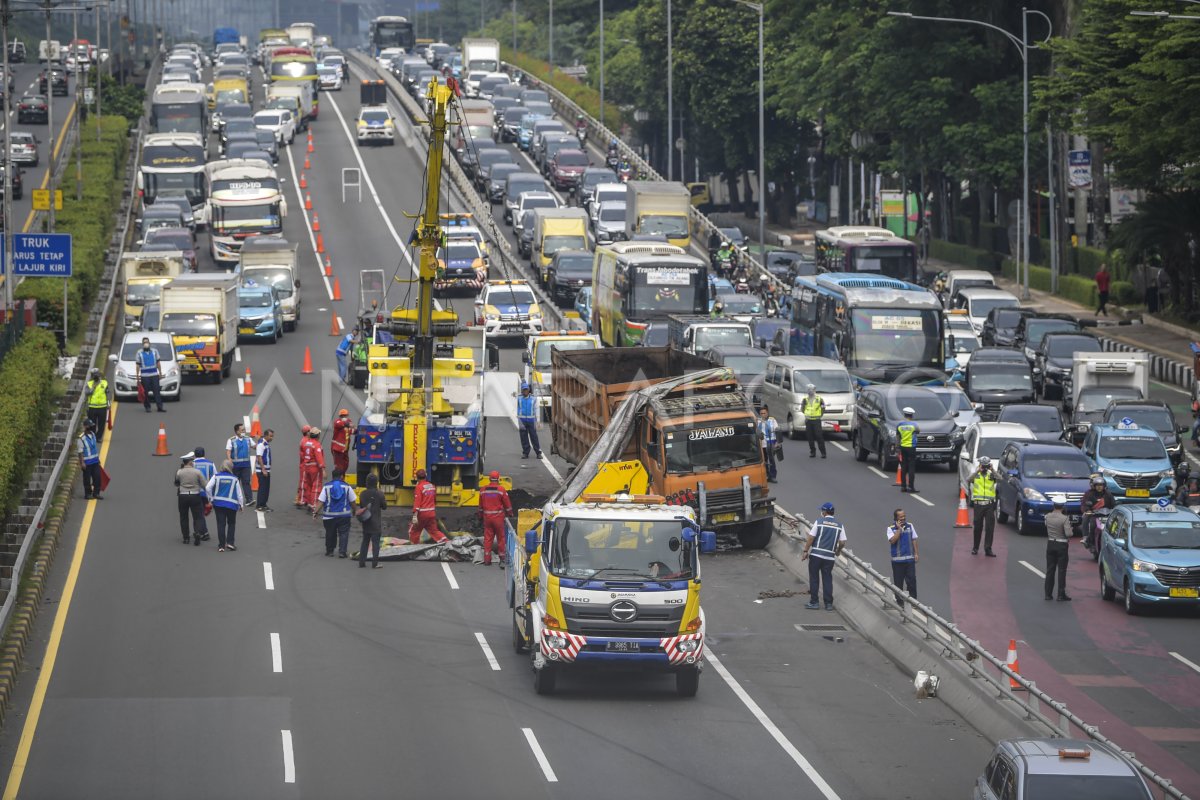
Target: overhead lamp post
column 670, row 101
column 601, row 63
column 1022, row 45
column 762, row 150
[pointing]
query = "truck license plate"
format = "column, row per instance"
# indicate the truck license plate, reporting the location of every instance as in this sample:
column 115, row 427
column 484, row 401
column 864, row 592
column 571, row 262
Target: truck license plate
column 1177, row 591
column 623, row 647
column 730, row 517
column 930, row 457
column 1137, row 492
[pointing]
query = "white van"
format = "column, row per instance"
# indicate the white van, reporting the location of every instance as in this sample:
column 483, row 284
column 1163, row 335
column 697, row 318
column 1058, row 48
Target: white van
column 959, row 279
column 979, row 301
column 785, row 386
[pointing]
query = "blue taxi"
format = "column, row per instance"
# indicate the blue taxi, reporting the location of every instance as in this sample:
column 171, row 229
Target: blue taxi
column 261, row 315
column 1151, row 555
column 1133, row 460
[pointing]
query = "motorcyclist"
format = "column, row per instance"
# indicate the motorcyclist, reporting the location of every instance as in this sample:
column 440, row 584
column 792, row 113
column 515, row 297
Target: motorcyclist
column 1095, row 498
column 724, row 260
column 614, row 156
column 770, row 303
column 718, row 309
column 624, row 170
column 580, row 127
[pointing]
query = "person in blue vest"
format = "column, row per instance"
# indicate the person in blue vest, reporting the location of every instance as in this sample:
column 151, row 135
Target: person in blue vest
column 149, row 372
column 225, row 494
column 825, row 540
column 902, row 539
column 336, row 504
column 262, row 465
column 89, row 461
column 240, row 450
column 207, row 470
column 527, row 421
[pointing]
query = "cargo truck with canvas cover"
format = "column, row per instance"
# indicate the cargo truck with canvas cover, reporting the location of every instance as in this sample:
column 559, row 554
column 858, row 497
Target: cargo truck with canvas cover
column 201, row 310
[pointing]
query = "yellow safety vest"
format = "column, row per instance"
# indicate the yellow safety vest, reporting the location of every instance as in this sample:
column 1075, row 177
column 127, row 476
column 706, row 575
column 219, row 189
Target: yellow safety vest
column 99, row 396
column 813, row 408
column 906, row 431
column 983, row 488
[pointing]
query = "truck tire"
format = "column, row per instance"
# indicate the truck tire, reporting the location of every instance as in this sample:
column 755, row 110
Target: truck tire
column 687, row 682
column 755, row 535
column 519, row 643
column 545, row 679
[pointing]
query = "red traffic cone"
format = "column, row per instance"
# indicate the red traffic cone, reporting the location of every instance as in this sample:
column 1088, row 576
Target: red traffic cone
column 247, row 384
column 303, row 181
column 328, row 267
column 310, row 145
column 307, row 369
column 307, row 163
column 161, row 448
column 316, row 223
column 254, row 481
column 898, row 482
column 337, row 289
column 255, row 422
column 308, row 201
column 320, row 244
column 334, row 328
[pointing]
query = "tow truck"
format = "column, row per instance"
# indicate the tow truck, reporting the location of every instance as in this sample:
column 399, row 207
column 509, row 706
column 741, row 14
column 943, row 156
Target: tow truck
column 538, row 361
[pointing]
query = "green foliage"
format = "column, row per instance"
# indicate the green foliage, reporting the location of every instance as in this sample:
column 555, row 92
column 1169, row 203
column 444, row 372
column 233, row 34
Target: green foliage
column 960, row 254
column 583, row 96
column 126, row 101
column 27, row 374
column 1123, row 293
column 1075, row 288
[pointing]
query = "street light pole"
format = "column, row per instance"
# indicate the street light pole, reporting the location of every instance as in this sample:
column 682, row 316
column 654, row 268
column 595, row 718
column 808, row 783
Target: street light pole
column 49, row 124
column 6, row 209
column 670, row 102
column 601, row 63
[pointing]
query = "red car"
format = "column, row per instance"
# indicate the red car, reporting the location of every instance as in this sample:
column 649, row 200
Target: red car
column 567, row 166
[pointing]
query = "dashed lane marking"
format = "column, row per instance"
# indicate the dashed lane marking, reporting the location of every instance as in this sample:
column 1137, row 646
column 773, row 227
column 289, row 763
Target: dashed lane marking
column 879, row 472
column 921, row 499
column 289, row 758
column 841, row 447
column 237, row 354
column 268, row 576
column 449, row 575
column 1186, row 661
column 543, row 762
column 276, row 654
column 312, row 239
column 262, row 520
column 487, row 652
column 1032, row 569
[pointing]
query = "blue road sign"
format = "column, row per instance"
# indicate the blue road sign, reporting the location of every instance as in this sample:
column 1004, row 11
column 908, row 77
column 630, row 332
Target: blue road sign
column 428, row 5
column 46, row 255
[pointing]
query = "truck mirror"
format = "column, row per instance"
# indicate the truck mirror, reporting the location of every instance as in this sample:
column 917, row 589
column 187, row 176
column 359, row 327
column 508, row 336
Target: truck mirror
column 531, row 542
column 493, row 356
column 525, row 358
column 708, row 541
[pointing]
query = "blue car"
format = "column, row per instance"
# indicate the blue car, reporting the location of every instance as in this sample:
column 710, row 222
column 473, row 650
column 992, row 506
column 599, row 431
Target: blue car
column 583, row 306
column 1151, row 555
column 1133, row 460
column 1029, row 472
column 261, row 315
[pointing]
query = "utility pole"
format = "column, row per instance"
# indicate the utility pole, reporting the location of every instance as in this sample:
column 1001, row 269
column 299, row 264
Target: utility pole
column 5, row 18
column 670, row 102
column 50, row 125
column 601, row 63
column 78, row 110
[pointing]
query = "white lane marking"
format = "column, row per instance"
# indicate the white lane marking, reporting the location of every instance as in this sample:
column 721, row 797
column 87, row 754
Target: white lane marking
column 268, row 576
column 1032, row 569
column 246, row 420
column 879, row 472
column 841, row 447
column 487, row 651
column 824, row 788
column 262, row 520
column 1185, row 660
column 449, row 575
column 276, row 654
column 289, row 758
column 312, row 239
column 1172, row 388
column 237, row 354
column 920, row 499
column 241, row 385
column 543, row 762
column 341, row 325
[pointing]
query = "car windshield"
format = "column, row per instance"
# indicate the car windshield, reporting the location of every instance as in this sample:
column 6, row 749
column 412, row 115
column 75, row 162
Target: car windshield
column 1142, row 448
column 1156, row 419
column 281, row 279
column 655, row 336
column 1000, row 378
column 461, row 252
column 896, row 336
column 544, row 351
column 711, row 336
column 1007, row 318
column 992, row 447
column 1167, row 535
column 166, row 352
column 1084, row 787
column 620, row 550
column 182, row 324
column 511, row 296
column 981, row 306
column 963, row 342
column 1098, row 401
column 238, row 126
column 954, row 401
column 705, row 448
column 177, row 239
column 612, row 214
column 375, row 116
column 674, row 226
column 254, row 300
column 1036, row 329
column 824, row 381
column 1039, row 419
column 576, row 266
column 1057, row 466
column 926, row 406
column 572, row 159
column 746, row 366
column 1065, row 346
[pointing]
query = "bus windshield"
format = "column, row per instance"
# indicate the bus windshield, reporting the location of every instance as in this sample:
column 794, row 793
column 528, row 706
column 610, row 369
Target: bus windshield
column 293, row 70
column 895, row 337
column 658, row 291
column 178, row 118
column 261, row 217
column 894, row 261
column 190, row 184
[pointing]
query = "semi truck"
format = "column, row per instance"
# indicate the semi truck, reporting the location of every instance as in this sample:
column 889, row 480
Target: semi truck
column 480, row 55
column 698, row 444
column 201, row 311
column 145, row 275
column 657, row 207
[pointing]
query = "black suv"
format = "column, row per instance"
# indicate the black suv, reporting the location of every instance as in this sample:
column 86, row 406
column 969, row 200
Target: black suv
column 1153, row 414
column 1055, row 358
column 1000, row 326
column 996, row 377
column 57, row 81
column 881, row 408
column 16, row 52
column 33, row 108
column 1032, row 329
column 569, row 271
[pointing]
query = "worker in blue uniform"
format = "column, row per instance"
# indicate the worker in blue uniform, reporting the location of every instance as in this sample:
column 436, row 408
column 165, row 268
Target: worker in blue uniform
column 225, row 494
column 527, row 421
column 149, row 373
column 825, row 540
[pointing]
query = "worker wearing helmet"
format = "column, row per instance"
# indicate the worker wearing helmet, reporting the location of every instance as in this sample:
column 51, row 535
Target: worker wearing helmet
column 825, row 540
column 339, row 443
column 982, row 485
column 527, row 421
column 494, row 506
column 1094, row 499
column 312, row 468
column 304, row 429
column 906, row 441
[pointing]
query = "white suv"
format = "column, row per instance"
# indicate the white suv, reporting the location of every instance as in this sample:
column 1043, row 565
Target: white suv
column 278, row 121
column 376, row 124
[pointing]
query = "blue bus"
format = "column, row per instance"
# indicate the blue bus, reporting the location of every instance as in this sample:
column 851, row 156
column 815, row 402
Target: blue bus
column 879, row 327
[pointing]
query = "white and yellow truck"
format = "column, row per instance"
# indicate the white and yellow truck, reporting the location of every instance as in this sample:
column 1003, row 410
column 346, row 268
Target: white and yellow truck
column 201, row 311
column 145, row 274
column 658, row 207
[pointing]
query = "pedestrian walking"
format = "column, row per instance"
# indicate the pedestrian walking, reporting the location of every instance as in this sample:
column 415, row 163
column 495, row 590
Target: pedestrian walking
column 494, row 507
column 813, row 409
column 902, row 539
column 425, row 511
column 371, row 503
column 207, row 469
column 825, row 540
column 906, row 434
column 336, row 504
column 768, row 439
column 527, row 421
column 88, row 450
column 312, row 468
column 339, row 443
column 983, row 504
column 1058, row 536
column 190, row 491
column 262, row 467
column 97, row 403
column 240, row 451
column 299, row 502
column 148, row 374
column 1103, row 281
column 225, row 493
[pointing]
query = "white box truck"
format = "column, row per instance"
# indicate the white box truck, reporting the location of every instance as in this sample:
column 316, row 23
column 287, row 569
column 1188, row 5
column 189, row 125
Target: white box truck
column 271, row 260
column 201, row 310
column 1108, row 369
column 658, row 207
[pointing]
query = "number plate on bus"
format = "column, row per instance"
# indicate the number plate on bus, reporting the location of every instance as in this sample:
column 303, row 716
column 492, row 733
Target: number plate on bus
column 1177, row 591
column 623, row 647
column 1137, row 492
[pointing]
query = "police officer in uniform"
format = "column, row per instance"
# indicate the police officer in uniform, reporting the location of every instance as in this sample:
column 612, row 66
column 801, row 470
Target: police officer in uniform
column 825, row 540
column 1058, row 535
column 148, row 373
column 983, row 501
column 814, row 409
column 527, row 419
column 902, row 540
column 239, row 450
column 89, row 461
column 97, row 403
column 768, row 436
column 262, row 466
column 189, row 485
column 494, row 506
column 336, row 504
column 906, row 434
column 225, row 494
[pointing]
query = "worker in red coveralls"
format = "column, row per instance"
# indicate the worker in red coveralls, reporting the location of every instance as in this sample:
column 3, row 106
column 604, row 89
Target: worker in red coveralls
column 494, row 506
column 312, row 468
column 343, row 434
column 304, row 429
column 425, row 511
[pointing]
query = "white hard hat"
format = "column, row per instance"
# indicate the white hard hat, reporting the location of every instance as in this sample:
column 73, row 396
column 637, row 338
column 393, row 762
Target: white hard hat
column 908, row 411
column 1058, row 499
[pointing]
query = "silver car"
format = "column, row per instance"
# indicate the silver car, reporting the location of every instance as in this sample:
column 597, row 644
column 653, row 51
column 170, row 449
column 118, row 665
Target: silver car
column 1058, row 769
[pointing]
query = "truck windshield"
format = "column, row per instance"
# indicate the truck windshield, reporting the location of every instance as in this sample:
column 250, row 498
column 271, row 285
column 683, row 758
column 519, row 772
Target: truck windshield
column 700, row 449
column 552, row 244
column 1147, row 448
column 1000, row 378
column 281, row 279
column 652, row 550
column 189, row 324
column 895, row 336
column 675, row 227
column 1099, row 400
column 138, row 294
column 545, row 350
column 708, row 337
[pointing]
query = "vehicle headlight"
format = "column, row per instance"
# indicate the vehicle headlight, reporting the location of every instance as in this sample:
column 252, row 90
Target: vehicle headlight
column 535, row 312
column 122, row 373
column 556, row 641
column 171, row 372
column 1144, row 566
column 1166, row 473
column 1033, row 494
column 491, row 317
column 956, row 434
column 689, row 646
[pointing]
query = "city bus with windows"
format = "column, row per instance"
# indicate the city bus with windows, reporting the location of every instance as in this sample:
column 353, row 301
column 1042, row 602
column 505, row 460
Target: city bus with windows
column 179, row 108
column 173, row 164
column 244, row 199
column 637, row 284
column 880, row 328
column 294, row 65
column 386, row 32
column 857, row 248
column 302, row 34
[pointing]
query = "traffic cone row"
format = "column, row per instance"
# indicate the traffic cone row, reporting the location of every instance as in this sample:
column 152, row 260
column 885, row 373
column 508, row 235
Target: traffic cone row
column 963, row 518
column 1014, row 665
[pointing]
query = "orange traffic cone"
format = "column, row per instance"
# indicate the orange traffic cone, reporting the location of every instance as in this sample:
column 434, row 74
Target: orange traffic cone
column 1014, row 665
column 328, row 267
column 247, row 384
column 255, row 422
column 307, row 163
column 254, row 481
column 316, row 223
column 337, row 289
column 303, row 181
column 320, row 244
column 963, row 518
column 161, row 448
column 898, row 482
column 307, row 368
column 308, row 201
column 310, row 146
column 334, row 328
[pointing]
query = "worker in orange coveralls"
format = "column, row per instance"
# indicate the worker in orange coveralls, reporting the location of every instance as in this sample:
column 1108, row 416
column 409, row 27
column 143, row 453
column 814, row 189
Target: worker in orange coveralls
column 494, row 506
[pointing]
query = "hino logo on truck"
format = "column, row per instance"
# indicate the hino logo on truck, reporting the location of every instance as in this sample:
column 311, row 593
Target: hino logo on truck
column 623, row 611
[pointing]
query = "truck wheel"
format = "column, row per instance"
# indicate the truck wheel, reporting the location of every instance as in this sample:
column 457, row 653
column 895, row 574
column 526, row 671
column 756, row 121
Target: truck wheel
column 519, row 643
column 687, row 682
column 792, row 432
column 544, row 679
column 755, row 535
